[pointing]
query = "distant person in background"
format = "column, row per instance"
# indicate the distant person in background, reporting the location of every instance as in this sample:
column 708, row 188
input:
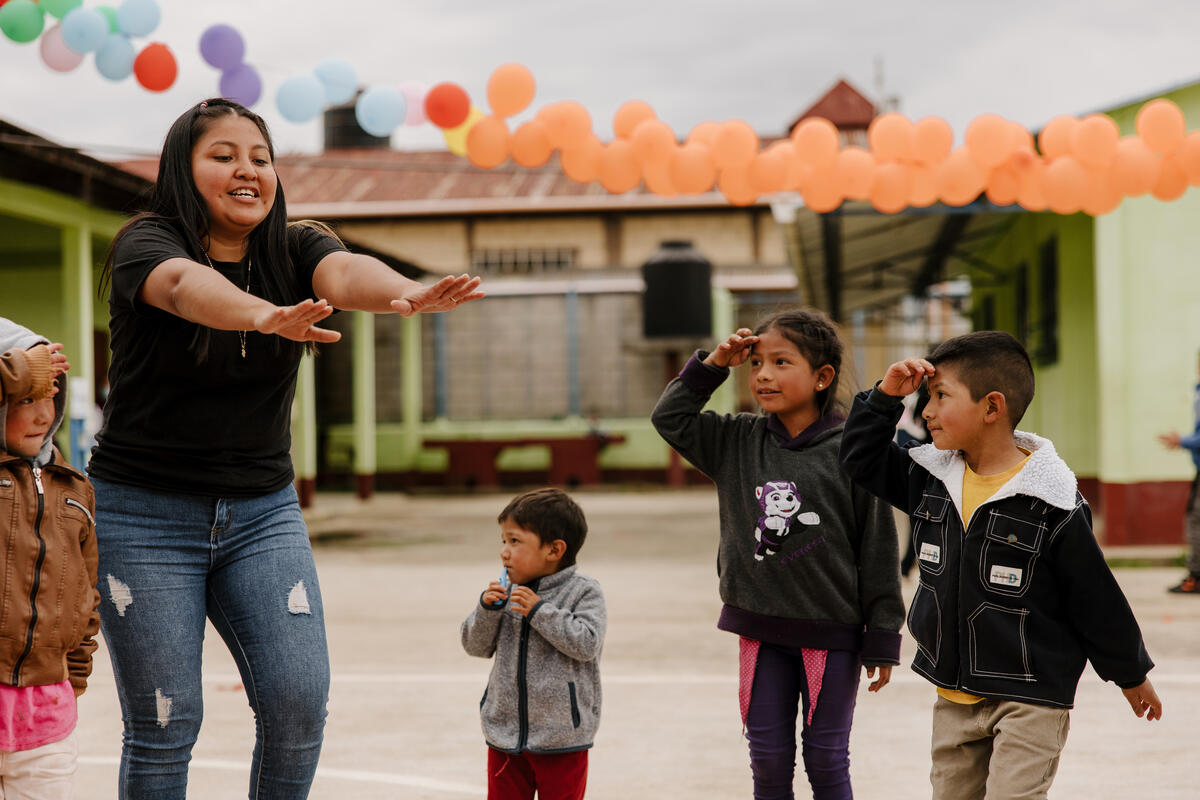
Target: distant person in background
column 1175, row 441
column 213, row 299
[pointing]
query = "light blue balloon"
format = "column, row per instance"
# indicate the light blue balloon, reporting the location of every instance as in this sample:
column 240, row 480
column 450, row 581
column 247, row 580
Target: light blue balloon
column 380, row 109
column 138, row 17
column 300, row 98
column 114, row 59
column 339, row 80
column 84, row 29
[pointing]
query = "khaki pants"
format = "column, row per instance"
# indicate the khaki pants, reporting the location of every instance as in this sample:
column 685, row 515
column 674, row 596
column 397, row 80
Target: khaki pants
column 996, row 749
column 44, row 773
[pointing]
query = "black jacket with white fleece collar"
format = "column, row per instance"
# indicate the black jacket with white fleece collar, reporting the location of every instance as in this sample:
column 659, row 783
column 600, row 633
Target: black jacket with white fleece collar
column 1015, row 604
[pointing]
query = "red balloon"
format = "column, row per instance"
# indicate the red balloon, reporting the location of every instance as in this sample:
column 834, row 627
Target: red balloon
column 155, row 67
column 447, row 105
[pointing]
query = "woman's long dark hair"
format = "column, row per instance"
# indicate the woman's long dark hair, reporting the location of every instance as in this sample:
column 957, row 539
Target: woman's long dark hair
column 176, row 202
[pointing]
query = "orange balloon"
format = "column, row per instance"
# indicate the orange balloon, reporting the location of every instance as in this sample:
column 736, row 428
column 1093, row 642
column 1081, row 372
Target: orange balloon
column 155, row 67
column 1003, row 185
column 510, row 89
column 1134, row 167
column 932, row 139
column 1189, row 157
column 1100, row 196
column 1065, row 183
column 1021, row 137
column 798, row 173
column 816, row 141
column 567, row 123
column 653, row 142
column 629, row 116
column 1094, row 140
column 989, row 140
column 734, row 183
column 1172, row 180
column 487, row 143
column 735, row 144
column 692, row 169
column 447, row 105
column 890, row 137
column 1055, row 139
column 619, row 170
column 530, row 144
column 657, row 178
column 892, row 186
column 769, row 171
column 959, row 178
column 581, row 162
column 1161, row 125
column 824, row 193
column 1031, row 195
column 705, row 133
column 923, row 190
column 855, row 173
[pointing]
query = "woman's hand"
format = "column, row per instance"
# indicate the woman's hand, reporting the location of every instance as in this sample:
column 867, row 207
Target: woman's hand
column 448, row 293
column 734, row 351
column 298, row 322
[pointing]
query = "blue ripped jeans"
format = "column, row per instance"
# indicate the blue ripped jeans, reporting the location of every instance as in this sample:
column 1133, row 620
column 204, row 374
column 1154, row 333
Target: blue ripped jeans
column 168, row 561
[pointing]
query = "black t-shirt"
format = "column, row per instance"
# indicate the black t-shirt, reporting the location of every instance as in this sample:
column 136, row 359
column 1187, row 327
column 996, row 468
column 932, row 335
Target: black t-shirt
column 216, row 426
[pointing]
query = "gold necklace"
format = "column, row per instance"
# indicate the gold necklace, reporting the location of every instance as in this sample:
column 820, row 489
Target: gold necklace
column 249, row 266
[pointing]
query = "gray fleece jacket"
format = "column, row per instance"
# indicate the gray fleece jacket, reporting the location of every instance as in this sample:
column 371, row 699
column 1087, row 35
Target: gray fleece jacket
column 543, row 695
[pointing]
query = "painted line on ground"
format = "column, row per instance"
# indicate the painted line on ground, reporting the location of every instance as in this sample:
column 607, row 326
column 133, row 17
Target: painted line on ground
column 324, row 773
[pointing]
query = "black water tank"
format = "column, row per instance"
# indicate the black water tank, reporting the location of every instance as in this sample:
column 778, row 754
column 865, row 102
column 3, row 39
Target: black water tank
column 678, row 297
column 342, row 130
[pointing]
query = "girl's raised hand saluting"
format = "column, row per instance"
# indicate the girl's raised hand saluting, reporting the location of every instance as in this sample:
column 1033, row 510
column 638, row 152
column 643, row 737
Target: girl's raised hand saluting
column 734, row 351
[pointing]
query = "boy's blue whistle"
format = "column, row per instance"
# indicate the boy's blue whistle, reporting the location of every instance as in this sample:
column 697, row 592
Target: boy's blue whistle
column 505, row 583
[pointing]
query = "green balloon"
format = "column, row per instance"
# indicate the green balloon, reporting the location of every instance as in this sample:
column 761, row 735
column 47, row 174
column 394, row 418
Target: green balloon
column 110, row 14
column 21, row 20
column 59, row 8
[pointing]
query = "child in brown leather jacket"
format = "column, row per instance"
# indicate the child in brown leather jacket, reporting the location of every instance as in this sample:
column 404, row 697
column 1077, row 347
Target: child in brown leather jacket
column 49, row 609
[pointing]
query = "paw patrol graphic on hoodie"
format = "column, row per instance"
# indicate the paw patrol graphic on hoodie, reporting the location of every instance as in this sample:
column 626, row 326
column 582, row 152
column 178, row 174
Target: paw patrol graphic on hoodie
column 779, row 502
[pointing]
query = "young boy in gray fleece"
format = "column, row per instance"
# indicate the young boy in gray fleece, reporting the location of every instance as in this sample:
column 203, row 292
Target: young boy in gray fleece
column 544, row 624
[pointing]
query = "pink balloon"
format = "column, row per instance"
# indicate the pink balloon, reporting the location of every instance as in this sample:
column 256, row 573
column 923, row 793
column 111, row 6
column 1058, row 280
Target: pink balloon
column 55, row 52
column 414, row 101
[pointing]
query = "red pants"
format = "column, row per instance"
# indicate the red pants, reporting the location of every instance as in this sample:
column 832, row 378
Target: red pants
column 557, row 776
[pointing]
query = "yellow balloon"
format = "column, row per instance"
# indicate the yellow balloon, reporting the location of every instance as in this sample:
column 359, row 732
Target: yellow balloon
column 456, row 138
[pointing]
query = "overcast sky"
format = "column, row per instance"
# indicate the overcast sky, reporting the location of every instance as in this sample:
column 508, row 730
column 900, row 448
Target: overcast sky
column 763, row 61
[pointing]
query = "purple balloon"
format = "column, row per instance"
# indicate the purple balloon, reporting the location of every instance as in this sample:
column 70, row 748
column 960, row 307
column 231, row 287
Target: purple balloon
column 241, row 84
column 222, row 47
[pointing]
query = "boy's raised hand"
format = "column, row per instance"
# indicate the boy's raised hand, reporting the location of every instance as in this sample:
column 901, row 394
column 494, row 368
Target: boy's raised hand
column 493, row 594
column 1144, row 700
column 904, row 377
column 734, row 351
column 523, row 600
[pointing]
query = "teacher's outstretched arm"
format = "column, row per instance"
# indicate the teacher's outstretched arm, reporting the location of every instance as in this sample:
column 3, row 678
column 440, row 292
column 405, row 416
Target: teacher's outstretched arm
column 364, row 283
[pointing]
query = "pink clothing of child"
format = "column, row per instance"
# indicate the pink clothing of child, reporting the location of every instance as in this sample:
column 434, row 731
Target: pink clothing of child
column 33, row 716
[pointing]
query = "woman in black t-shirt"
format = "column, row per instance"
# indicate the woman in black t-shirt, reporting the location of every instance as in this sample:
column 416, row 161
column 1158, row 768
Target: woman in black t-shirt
column 213, row 299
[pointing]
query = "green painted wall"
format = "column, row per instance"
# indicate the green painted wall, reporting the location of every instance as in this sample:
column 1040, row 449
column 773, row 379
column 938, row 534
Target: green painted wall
column 1148, row 322
column 1065, row 407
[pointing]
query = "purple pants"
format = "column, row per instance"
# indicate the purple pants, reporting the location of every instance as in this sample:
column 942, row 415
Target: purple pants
column 781, row 688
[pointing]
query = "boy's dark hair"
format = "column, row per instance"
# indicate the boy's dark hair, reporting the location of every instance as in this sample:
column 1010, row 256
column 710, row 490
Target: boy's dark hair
column 816, row 337
column 990, row 361
column 551, row 514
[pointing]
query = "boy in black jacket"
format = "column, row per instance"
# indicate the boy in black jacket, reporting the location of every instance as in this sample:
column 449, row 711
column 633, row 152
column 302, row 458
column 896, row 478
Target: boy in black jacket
column 1014, row 594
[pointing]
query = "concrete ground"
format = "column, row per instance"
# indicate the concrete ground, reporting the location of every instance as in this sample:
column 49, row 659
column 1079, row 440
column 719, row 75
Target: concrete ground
column 399, row 573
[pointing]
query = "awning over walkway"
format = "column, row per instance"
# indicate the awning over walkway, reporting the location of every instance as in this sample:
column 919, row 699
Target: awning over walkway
column 857, row 258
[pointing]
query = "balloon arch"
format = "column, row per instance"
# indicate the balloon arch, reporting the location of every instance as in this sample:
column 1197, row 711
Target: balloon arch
column 1073, row 165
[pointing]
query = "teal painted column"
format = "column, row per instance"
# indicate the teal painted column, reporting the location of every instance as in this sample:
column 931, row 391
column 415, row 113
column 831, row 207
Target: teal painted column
column 410, row 388
column 724, row 399
column 364, row 403
column 79, row 321
column 304, row 436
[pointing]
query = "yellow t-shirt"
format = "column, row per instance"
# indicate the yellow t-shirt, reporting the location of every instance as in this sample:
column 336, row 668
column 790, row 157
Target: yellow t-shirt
column 977, row 490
